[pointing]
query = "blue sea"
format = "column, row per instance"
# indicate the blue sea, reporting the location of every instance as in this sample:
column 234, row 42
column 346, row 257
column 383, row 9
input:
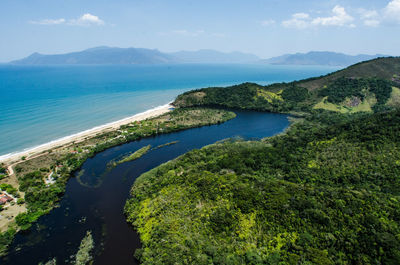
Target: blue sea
column 44, row 103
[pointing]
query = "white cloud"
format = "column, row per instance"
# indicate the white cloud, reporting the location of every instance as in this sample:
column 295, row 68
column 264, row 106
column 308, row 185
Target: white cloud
column 339, row 18
column 49, row 21
column 392, row 11
column 389, row 15
column 85, row 20
column 268, row 22
column 298, row 20
column 367, row 14
column 370, row 18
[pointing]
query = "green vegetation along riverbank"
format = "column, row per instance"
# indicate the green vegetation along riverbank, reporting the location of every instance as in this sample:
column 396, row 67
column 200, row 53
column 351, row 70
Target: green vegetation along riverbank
column 41, row 180
column 325, row 192
column 321, row 194
column 131, row 157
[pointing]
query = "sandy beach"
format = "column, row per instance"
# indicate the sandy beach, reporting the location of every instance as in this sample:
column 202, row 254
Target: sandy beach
column 14, row 157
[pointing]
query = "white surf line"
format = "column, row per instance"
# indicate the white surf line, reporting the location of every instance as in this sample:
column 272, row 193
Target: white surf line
column 87, row 133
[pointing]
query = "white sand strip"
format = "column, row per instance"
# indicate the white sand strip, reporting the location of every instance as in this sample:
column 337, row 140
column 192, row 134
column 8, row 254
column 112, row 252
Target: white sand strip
column 78, row 137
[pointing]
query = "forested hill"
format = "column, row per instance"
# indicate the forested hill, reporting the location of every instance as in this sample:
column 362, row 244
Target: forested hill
column 364, row 87
column 387, row 68
column 325, row 192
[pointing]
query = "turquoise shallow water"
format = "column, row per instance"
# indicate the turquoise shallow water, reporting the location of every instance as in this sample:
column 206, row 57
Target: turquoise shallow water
column 43, row 103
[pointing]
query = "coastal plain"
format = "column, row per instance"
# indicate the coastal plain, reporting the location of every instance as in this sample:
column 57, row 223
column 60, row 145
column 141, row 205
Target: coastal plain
column 38, row 177
column 40, row 153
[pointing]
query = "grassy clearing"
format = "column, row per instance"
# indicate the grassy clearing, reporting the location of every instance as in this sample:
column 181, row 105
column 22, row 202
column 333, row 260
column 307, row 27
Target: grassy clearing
column 269, row 96
column 324, row 104
column 365, row 106
column 394, row 100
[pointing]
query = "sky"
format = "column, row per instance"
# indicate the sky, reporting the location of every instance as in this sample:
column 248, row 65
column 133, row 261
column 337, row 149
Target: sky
column 263, row 27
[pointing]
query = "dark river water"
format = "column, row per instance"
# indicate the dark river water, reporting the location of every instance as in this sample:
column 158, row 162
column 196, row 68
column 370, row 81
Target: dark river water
column 95, row 197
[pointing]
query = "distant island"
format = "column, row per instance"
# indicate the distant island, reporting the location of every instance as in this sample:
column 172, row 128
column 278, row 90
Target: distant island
column 113, row 55
column 320, row 58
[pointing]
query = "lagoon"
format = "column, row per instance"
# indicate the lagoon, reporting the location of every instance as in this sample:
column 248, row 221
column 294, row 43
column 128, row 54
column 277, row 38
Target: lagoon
column 95, row 197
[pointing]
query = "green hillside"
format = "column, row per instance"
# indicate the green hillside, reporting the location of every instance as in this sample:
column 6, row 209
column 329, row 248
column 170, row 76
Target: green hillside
column 325, row 192
column 365, row 86
column 384, row 68
column 322, row 194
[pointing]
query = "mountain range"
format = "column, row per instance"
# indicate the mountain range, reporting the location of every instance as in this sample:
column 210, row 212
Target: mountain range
column 320, row 58
column 113, row 55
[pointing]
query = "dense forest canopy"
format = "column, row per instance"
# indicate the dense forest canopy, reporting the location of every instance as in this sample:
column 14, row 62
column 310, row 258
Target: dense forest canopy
column 343, row 88
column 325, row 192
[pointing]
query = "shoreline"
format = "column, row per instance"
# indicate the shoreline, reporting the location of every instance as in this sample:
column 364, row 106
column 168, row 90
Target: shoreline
column 80, row 136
